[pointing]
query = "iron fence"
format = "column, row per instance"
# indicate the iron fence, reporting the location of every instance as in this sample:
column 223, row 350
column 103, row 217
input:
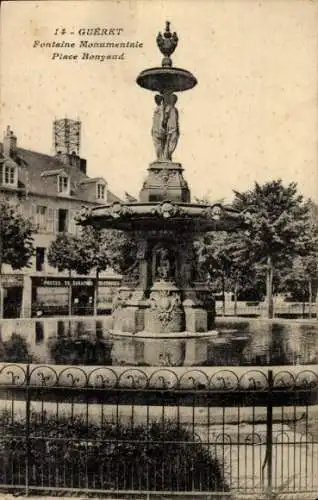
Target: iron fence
column 147, row 432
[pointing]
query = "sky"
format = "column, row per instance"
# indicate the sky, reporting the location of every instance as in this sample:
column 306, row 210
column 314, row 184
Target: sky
column 252, row 116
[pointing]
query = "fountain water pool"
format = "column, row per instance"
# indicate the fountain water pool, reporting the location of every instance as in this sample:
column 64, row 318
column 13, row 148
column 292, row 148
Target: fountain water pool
column 236, row 341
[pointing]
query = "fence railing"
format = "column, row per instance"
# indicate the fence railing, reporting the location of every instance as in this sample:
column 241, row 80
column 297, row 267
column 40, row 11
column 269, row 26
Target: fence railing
column 158, row 431
column 281, row 309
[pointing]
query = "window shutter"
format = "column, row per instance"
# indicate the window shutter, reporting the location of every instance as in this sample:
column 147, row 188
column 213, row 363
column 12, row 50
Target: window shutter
column 72, row 223
column 50, row 221
column 33, row 213
column 44, row 220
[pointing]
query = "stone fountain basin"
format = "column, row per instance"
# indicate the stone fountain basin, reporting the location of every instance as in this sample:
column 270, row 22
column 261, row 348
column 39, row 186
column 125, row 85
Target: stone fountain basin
column 172, row 335
column 166, row 214
column 166, row 79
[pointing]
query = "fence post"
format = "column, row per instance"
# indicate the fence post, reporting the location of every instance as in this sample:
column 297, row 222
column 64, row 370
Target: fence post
column 27, row 430
column 269, row 433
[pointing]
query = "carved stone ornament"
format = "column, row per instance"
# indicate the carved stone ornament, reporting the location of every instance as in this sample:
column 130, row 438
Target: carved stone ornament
column 117, row 210
column 167, row 44
column 214, row 212
column 166, row 175
column 142, row 248
column 164, row 267
column 167, row 209
column 164, row 302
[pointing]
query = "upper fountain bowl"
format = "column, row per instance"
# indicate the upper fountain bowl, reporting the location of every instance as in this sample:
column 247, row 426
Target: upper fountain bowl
column 163, row 215
column 166, row 79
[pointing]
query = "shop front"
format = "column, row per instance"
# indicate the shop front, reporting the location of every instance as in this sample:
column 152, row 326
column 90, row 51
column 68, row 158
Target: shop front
column 52, row 296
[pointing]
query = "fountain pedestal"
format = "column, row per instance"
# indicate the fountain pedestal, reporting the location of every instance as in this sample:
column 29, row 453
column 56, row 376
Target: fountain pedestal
column 165, row 313
column 196, row 317
column 165, row 182
column 128, row 311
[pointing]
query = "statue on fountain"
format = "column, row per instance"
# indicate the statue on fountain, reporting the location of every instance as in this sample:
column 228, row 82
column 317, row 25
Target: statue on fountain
column 157, row 130
column 164, row 268
column 165, row 126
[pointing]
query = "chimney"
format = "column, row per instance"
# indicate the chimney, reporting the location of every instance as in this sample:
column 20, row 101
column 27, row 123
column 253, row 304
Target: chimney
column 74, row 159
column 83, row 165
column 10, row 143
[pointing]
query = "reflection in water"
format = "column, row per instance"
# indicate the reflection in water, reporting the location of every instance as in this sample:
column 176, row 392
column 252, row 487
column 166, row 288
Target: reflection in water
column 84, row 350
column 245, row 342
column 282, row 343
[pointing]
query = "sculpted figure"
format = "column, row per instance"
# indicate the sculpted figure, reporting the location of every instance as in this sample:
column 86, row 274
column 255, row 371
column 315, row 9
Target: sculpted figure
column 157, row 131
column 164, row 264
column 171, row 127
column 165, row 126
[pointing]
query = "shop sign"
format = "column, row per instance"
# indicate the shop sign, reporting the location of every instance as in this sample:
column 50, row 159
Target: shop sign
column 8, row 280
column 61, row 282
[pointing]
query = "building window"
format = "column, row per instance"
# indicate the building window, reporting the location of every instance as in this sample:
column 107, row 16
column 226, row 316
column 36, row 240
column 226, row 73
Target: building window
column 63, row 184
column 62, row 220
column 9, row 175
column 101, row 191
column 41, row 213
column 39, row 332
column 39, row 258
column 60, row 329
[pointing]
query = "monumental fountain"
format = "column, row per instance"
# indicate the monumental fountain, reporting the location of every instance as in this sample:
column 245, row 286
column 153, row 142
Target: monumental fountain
column 161, row 300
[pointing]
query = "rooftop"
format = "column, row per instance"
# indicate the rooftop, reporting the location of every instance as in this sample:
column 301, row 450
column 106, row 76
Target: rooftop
column 36, row 171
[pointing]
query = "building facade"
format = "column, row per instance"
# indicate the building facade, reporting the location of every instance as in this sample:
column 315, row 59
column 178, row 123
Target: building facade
column 50, row 190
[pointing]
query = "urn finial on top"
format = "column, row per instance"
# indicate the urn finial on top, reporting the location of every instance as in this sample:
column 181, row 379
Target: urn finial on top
column 166, row 79
column 167, row 44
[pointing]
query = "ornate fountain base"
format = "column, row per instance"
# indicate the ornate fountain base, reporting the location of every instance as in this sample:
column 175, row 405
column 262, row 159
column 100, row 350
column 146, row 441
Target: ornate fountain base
column 128, row 311
column 162, row 316
column 165, row 313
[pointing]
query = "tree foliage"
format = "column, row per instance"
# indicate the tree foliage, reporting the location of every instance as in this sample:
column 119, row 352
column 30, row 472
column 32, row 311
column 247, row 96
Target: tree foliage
column 278, row 222
column 221, row 261
column 16, row 237
column 66, row 254
column 103, row 249
column 91, row 250
column 280, row 227
column 300, row 280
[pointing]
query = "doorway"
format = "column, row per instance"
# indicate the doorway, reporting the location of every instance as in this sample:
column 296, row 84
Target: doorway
column 83, row 300
column 12, row 301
